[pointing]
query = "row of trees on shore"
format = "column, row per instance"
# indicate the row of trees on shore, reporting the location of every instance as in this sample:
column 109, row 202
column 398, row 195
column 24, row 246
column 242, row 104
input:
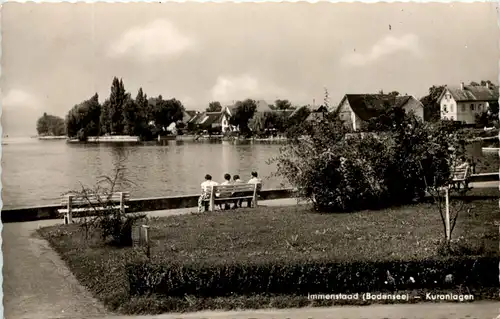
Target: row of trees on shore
column 120, row 114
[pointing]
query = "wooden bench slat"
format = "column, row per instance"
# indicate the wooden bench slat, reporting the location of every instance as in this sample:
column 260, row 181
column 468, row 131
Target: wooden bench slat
column 88, row 209
column 219, row 199
column 94, row 199
column 234, row 188
column 92, row 202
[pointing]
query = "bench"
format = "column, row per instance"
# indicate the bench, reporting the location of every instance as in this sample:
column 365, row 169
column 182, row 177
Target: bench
column 78, row 203
column 460, row 176
column 232, row 193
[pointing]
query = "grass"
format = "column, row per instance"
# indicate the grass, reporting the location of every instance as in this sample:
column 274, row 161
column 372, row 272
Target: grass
column 269, row 234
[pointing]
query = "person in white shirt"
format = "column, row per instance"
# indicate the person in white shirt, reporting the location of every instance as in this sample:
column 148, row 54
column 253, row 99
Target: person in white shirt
column 237, row 180
column 206, row 188
column 227, row 181
column 255, row 180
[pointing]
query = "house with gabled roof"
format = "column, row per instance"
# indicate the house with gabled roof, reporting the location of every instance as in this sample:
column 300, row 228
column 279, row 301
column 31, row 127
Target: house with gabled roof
column 212, row 121
column 464, row 102
column 355, row 110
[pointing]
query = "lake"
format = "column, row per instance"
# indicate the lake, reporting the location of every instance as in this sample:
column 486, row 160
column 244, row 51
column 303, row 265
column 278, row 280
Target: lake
column 37, row 172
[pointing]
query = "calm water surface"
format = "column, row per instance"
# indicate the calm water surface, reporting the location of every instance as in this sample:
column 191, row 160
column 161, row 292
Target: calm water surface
column 37, row 172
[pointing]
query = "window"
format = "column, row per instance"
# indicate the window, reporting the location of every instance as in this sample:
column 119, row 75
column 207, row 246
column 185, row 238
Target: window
column 445, row 108
column 472, row 107
column 451, row 107
column 463, row 108
column 480, row 107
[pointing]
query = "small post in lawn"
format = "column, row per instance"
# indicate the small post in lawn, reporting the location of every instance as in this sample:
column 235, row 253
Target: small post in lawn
column 145, row 239
column 447, row 216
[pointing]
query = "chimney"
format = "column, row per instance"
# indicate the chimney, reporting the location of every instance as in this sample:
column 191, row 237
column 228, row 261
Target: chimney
column 462, row 85
column 487, row 85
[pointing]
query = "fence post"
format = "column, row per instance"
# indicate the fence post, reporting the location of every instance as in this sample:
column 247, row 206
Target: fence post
column 447, row 216
column 69, row 217
column 145, row 239
column 254, row 199
column 212, row 201
column 122, row 203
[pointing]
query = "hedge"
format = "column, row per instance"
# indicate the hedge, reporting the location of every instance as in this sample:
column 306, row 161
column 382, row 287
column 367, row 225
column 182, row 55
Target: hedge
column 232, row 278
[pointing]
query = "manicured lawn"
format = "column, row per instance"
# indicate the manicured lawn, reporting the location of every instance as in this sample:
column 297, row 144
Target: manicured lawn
column 266, row 234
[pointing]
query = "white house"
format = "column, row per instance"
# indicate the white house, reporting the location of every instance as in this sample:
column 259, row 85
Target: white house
column 463, row 103
column 356, row 109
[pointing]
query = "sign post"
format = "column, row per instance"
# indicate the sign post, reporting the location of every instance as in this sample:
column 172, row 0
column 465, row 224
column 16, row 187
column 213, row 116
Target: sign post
column 447, row 216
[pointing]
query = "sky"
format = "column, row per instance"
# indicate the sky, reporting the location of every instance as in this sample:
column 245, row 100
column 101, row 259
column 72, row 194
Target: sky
column 57, row 55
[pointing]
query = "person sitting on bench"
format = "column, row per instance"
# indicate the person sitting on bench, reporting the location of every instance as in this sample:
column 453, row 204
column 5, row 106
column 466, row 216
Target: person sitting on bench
column 254, row 180
column 227, row 181
column 206, row 188
column 237, row 180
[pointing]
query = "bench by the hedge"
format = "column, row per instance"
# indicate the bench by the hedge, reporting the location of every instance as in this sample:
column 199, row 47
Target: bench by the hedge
column 79, row 203
column 230, row 193
column 461, row 176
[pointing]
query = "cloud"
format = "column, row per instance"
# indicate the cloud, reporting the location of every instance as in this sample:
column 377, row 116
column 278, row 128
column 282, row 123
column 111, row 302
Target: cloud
column 228, row 88
column 386, row 46
column 156, row 39
column 18, row 99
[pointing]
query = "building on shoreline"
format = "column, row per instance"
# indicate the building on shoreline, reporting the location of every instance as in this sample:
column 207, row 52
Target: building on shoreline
column 465, row 102
column 357, row 109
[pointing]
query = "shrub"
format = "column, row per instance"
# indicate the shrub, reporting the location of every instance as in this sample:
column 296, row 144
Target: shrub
column 112, row 223
column 341, row 170
column 293, row 278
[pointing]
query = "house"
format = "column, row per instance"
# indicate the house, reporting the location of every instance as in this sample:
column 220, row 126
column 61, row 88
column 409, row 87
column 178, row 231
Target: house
column 212, row 121
column 357, row 109
column 188, row 114
column 317, row 114
column 463, row 103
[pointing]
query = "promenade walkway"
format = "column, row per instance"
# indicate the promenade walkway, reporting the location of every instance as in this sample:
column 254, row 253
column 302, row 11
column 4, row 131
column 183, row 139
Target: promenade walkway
column 37, row 284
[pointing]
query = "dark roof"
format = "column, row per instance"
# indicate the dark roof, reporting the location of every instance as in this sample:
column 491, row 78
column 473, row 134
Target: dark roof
column 367, row 106
column 206, row 119
column 192, row 113
column 473, row 93
column 295, row 111
column 195, row 118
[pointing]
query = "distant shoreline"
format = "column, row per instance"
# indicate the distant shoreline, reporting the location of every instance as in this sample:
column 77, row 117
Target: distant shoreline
column 106, row 139
column 61, row 137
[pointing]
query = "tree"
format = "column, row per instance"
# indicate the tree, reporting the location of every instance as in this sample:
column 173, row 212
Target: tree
column 243, row 112
column 94, row 113
column 84, row 118
column 143, row 115
column 432, row 109
column 130, row 116
column 283, row 105
column 105, row 118
column 165, row 112
column 50, row 125
column 266, row 121
column 117, row 100
column 214, row 107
